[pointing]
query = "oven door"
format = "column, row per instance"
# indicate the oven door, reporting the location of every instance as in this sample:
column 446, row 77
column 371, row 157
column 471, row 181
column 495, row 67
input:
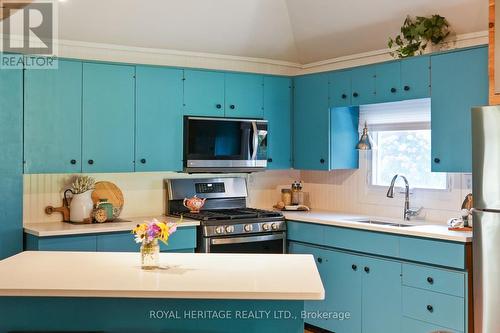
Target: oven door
column 262, row 243
column 219, row 144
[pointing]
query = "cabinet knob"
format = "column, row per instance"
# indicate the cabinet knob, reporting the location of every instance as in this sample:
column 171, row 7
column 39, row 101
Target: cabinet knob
column 322, row 161
column 320, row 260
column 73, row 162
column 367, row 269
column 406, row 88
column 270, row 160
column 355, row 94
column 430, row 280
column 344, row 96
column 437, row 160
column 91, row 162
column 218, row 106
column 430, row 308
column 354, row 267
column 232, row 106
column 393, row 90
column 143, row 160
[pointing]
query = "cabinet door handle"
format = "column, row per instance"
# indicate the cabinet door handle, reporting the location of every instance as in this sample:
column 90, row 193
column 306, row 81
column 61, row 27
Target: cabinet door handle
column 218, row 106
column 437, row 160
column 322, row 161
column 232, row 106
column 270, row 160
column 406, row 88
column 143, row 160
column 344, row 96
column 430, row 308
column 430, row 280
column 91, row 162
column 367, row 269
column 354, row 267
column 73, row 162
column 355, row 94
column 320, row 260
column 393, row 90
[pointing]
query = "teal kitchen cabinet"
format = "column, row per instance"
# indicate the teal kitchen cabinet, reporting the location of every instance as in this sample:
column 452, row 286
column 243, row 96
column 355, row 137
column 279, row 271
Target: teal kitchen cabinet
column 11, row 178
column 415, row 78
column 277, row 111
column 244, row 95
column 340, row 88
column 53, row 119
column 344, row 138
column 363, row 85
column 158, row 122
column 311, row 123
column 204, row 93
column 459, row 81
column 388, row 81
column 61, row 243
column 108, row 118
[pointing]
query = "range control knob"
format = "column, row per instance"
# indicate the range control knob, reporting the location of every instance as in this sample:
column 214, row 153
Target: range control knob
column 248, row 227
column 275, row 226
column 219, row 229
column 229, row 229
column 266, row 226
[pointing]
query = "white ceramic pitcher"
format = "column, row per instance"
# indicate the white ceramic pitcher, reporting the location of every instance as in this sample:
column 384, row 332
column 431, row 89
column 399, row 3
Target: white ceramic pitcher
column 81, row 207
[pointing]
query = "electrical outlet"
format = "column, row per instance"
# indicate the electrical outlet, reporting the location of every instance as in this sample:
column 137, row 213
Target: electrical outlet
column 468, row 181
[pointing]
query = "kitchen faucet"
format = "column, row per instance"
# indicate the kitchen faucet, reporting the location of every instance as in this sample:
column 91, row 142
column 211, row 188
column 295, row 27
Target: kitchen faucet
column 407, row 212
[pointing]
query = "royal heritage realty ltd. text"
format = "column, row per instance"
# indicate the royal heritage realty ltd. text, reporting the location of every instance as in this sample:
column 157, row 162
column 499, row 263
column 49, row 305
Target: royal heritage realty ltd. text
column 246, row 315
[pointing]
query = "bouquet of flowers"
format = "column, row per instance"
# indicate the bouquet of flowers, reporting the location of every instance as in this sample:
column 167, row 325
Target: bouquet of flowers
column 154, row 230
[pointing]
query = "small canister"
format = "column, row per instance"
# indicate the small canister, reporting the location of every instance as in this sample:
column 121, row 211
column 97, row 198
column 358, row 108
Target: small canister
column 286, row 196
column 107, row 206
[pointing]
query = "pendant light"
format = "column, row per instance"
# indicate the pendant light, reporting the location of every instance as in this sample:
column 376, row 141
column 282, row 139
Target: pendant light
column 365, row 141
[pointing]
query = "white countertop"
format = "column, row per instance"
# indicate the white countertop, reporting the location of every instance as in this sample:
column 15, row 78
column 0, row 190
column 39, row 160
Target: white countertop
column 184, row 275
column 419, row 228
column 46, row 229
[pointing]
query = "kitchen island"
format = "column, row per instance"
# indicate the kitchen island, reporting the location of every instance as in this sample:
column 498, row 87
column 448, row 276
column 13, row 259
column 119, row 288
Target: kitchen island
column 89, row 291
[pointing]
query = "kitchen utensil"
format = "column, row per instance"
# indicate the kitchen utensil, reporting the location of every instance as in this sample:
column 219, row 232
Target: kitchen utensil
column 64, row 210
column 111, row 192
column 194, row 204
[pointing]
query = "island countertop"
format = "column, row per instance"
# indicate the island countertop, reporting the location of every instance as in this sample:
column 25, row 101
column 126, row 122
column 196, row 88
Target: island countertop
column 184, row 275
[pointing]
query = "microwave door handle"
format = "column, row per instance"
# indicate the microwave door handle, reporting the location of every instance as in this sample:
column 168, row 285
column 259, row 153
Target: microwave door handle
column 255, row 140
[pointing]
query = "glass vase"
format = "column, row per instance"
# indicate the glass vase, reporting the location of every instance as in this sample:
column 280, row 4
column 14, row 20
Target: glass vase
column 150, row 255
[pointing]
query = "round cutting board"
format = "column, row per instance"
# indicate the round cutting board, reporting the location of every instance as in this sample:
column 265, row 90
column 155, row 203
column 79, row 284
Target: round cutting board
column 108, row 190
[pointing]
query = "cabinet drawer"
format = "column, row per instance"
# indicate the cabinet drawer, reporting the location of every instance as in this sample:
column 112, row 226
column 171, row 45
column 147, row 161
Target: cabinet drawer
column 440, row 309
column 434, row 279
column 305, row 232
column 417, row 326
column 433, row 252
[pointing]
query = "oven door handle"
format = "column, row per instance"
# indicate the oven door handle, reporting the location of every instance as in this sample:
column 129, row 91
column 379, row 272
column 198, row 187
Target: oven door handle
column 246, row 239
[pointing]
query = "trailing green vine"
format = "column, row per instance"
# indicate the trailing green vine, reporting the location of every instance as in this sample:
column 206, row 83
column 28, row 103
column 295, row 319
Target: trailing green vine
column 417, row 33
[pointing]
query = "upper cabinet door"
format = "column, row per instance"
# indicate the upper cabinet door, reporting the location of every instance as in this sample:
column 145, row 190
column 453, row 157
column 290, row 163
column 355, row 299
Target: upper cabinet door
column 53, row 119
column 203, row 93
column 363, row 85
column 311, row 124
column 277, row 111
column 340, row 88
column 415, row 77
column 244, row 95
column 459, row 81
column 158, row 119
column 108, row 118
column 344, row 138
column 388, row 81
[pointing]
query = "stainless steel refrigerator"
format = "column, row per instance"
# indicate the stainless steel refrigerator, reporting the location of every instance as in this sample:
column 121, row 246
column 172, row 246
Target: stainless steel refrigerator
column 486, row 239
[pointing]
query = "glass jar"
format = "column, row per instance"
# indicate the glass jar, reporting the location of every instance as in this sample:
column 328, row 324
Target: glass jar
column 150, row 255
column 286, row 196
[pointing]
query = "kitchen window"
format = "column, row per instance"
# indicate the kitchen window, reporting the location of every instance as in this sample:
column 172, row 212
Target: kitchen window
column 402, row 137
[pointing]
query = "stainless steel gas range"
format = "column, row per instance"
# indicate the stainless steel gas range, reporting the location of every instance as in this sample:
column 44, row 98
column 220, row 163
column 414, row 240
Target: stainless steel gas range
column 227, row 225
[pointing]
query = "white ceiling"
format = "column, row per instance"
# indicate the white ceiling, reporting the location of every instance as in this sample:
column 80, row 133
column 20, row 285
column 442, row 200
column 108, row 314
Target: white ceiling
column 301, row 31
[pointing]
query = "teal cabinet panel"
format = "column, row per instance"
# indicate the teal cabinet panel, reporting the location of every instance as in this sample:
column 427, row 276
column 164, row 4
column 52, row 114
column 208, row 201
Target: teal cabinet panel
column 434, row 279
column 417, row 326
column 305, row 232
column 158, row 123
column 435, row 308
column 340, row 88
column 61, row 243
column 459, row 81
column 203, row 93
column 244, row 95
column 108, row 118
column 363, row 85
column 117, row 242
column 344, row 137
column 53, row 119
column 11, row 179
column 277, row 111
column 388, row 81
column 311, row 128
column 415, row 77
column 183, row 239
column 381, row 296
column 435, row 252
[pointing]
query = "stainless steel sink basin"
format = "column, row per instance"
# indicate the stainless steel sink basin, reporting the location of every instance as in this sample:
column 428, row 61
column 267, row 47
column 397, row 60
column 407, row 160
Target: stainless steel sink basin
column 392, row 224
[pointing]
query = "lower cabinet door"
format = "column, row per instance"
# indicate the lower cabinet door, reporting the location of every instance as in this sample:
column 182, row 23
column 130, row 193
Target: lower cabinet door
column 117, row 242
column 417, row 326
column 381, row 296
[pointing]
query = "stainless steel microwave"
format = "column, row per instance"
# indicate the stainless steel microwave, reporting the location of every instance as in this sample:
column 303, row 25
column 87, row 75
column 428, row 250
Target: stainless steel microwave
column 224, row 145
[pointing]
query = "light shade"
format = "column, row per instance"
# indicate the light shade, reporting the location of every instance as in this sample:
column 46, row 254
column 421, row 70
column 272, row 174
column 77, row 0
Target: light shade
column 365, row 142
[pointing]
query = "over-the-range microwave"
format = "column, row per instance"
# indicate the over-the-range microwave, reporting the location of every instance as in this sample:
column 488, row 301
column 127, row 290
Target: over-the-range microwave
column 224, row 145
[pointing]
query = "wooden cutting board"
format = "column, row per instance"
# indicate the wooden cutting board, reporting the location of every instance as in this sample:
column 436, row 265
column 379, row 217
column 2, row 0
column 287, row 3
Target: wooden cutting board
column 108, row 190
